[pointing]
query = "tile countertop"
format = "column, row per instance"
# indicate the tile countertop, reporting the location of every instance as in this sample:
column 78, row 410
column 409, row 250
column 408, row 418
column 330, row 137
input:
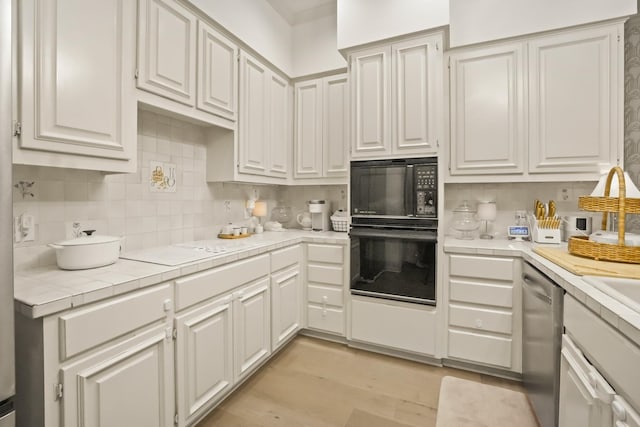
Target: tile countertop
column 46, row 290
column 617, row 314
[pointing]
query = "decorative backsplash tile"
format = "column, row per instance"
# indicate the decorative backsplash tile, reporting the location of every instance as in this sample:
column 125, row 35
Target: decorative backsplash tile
column 632, row 108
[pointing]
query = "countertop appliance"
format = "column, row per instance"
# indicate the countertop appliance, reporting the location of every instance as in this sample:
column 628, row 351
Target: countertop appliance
column 394, row 229
column 542, row 305
column 319, row 210
column 7, row 362
column 575, row 225
column 397, row 188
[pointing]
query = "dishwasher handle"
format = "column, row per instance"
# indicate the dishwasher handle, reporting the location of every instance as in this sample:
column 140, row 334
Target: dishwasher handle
column 530, row 284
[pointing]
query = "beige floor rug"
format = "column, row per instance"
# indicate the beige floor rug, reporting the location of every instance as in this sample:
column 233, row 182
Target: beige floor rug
column 470, row 404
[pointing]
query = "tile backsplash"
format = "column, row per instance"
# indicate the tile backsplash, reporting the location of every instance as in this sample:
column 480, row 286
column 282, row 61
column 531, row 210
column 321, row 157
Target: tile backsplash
column 510, row 197
column 131, row 205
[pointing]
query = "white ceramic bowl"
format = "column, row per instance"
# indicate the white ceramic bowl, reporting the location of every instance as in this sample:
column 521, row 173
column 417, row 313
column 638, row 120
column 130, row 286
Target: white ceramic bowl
column 87, row 252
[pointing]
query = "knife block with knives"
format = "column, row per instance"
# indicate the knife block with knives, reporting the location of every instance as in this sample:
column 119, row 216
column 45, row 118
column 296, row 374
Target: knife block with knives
column 545, row 225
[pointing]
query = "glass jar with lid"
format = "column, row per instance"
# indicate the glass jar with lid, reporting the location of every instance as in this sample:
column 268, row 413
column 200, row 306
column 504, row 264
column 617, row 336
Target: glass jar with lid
column 464, row 221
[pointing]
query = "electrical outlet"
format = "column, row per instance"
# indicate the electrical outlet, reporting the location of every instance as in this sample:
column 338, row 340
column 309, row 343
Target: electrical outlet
column 564, row 194
column 28, row 228
column 24, row 228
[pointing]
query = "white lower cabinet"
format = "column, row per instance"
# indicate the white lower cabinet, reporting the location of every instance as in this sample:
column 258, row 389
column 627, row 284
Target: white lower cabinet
column 252, row 327
column 109, row 363
column 204, row 357
column 286, row 294
column 585, row 397
column 484, row 308
column 326, row 278
column 128, row 384
column 599, row 379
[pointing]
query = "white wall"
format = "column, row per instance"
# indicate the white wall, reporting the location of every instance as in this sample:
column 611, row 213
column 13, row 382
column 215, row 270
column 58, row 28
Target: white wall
column 364, row 21
column 315, row 47
column 474, row 21
column 257, row 24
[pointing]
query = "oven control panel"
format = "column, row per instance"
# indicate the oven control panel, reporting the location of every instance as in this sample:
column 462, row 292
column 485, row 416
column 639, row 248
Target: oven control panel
column 426, row 184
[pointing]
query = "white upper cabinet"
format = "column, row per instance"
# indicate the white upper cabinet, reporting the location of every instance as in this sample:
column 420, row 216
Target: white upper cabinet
column 308, row 129
column 188, row 63
column 416, row 106
column 76, row 91
column 397, row 98
column 264, row 135
column 167, row 50
column 335, row 130
column 279, row 142
column 487, row 110
column 322, row 127
column 575, row 100
column 546, row 108
column 371, row 79
column 217, row 73
column 253, row 115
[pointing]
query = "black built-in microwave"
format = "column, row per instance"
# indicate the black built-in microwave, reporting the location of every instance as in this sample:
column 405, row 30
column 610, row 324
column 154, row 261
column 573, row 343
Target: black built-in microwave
column 395, row 188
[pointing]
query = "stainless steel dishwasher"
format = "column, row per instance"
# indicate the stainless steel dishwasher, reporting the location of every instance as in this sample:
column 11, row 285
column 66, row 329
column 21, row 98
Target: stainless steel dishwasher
column 541, row 341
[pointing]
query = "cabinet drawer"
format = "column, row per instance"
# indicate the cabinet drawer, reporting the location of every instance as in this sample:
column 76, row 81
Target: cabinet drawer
column 88, row 327
column 615, row 356
column 285, row 257
column 481, row 319
column 482, row 267
column 317, row 294
column 480, row 348
column 201, row 286
column 329, row 274
column 403, row 326
column 481, row 293
column 325, row 253
column 329, row 319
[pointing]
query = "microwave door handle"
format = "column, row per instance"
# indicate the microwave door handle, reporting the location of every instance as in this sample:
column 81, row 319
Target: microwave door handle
column 409, row 196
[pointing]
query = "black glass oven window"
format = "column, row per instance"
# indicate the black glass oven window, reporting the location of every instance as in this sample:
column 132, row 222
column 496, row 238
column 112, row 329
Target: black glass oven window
column 395, row 268
column 378, row 190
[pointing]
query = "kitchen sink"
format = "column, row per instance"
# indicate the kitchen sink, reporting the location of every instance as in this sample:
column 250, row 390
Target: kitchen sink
column 627, row 291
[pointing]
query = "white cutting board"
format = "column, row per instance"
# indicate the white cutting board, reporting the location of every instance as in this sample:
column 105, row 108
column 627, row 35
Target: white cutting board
column 168, row 255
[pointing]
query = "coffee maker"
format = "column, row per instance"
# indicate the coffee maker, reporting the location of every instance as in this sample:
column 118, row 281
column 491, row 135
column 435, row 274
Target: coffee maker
column 319, row 211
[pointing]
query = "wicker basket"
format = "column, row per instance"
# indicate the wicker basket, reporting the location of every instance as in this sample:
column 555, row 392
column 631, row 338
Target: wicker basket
column 339, row 223
column 582, row 246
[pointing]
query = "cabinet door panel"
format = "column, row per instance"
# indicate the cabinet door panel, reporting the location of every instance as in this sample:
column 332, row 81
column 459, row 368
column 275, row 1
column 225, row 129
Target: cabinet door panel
column 279, row 135
column 286, row 305
column 253, row 123
column 414, row 108
column 167, row 50
column 217, row 73
column 487, row 111
column 371, row 93
column 74, row 88
column 336, row 126
column 309, row 129
column 128, row 385
column 252, row 327
column 573, row 86
column 204, row 357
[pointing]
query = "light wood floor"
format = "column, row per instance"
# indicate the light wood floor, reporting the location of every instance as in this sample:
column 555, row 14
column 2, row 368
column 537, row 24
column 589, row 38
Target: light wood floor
column 317, row 383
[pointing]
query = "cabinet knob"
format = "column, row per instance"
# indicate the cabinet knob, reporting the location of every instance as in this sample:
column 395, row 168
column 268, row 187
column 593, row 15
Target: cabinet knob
column 167, row 305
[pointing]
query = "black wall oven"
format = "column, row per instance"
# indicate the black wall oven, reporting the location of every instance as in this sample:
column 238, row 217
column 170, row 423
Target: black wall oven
column 394, row 228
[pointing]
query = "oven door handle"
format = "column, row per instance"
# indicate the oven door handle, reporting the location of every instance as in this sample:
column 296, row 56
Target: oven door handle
column 416, row 235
